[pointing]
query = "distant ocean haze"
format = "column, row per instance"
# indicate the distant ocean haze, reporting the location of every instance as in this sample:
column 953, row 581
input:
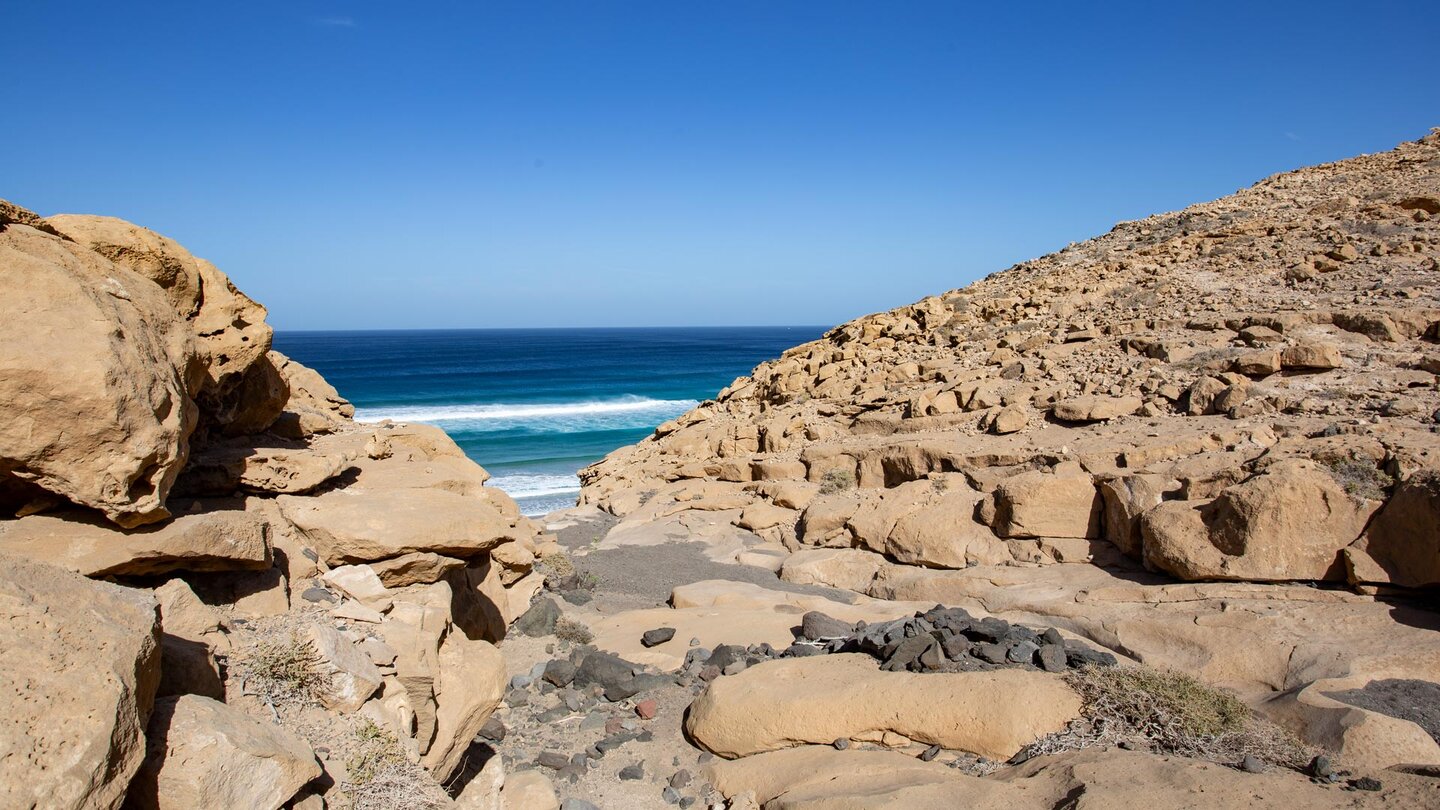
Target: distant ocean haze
column 533, row 406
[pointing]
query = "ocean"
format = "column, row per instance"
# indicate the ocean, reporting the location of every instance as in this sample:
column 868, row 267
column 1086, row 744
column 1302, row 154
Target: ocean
column 533, row 406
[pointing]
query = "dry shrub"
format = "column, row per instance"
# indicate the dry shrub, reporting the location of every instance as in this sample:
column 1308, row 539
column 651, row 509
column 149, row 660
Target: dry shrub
column 567, row 629
column 1170, row 713
column 556, row 565
column 836, row 481
column 381, row 777
column 285, row 670
column 1359, row 477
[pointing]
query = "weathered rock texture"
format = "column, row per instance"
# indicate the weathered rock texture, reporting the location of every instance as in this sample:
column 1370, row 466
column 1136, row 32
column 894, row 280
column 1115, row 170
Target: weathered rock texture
column 1235, row 391
column 81, row 665
column 149, row 434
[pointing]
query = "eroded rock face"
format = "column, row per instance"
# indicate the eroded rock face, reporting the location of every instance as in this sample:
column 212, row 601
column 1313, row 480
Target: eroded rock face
column 81, row 666
column 203, row 753
column 1290, row 522
column 818, row 699
column 96, row 371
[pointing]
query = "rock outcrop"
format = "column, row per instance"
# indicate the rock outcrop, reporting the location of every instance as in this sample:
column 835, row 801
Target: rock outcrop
column 285, row 575
column 1235, row 391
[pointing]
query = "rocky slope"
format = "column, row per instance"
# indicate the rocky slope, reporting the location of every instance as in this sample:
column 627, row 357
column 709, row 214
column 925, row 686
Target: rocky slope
column 219, row 590
column 1205, row 441
column 1243, row 390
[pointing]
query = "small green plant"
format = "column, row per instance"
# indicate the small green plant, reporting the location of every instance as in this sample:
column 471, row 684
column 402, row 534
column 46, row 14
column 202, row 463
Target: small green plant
column 1359, row 477
column 286, row 670
column 375, row 750
column 567, row 629
column 837, row 480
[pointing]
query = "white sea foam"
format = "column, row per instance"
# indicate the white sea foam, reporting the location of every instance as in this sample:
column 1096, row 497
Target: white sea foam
column 532, row 485
column 502, row 412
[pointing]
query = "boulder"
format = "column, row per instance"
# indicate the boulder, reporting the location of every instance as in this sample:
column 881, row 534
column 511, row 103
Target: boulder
column 1289, row 522
column 353, row 677
column 191, row 633
column 943, row 532
column 95, row 375
column 1402, row 544
column 203, row 753
column 469, row 682
column 1095, row 408
column 850, row 568
column 223, row 535
column 416, row 568
column 347, row 526
column 817, row 699
column 1063, row 503
column 81, row 665
column 242, row 465
column 314, row 406
column 1311, row 356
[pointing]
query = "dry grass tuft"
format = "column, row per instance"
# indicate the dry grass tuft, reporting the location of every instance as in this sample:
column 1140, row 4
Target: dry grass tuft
column 1359, row 477
column 567, row 629
column 1169, row 713
column 285, row 671
column 382, row 778
column 558, row 566
column 836, row 481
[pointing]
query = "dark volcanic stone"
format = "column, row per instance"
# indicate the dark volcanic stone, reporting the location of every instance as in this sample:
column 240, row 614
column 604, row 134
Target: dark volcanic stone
column 905, row 654
column 632, row 773
column 993, row 653
column 577, row 597
column 1051, row 658
column 988, row 629
column 317, row 594
column 1320, row 766
column 930, row 753
column 1052, row 636
column 493, row 730
column 1018, row 633
column 955, row 646
column 816, row 626
column 1366, row 783
column 553, row 759
column 801, row 650
column 559, row 672
column 540, row 619
column 1078, row 656
column 659, row 635
column 1021, row 652
column 612, row 673
column 725, row 655
column 1252, row 764
column 680, row 779
column 841, row 743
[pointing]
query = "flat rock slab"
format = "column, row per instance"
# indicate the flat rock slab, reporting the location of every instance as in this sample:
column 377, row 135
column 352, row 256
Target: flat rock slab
column 724, row 612
column 225, row 535
column 353, row 527
column 782, row 703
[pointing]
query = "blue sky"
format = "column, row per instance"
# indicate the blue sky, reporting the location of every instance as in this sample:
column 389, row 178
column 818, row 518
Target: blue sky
column 403, row 165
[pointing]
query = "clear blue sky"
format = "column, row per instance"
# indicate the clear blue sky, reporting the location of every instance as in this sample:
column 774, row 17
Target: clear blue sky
column 393, row 165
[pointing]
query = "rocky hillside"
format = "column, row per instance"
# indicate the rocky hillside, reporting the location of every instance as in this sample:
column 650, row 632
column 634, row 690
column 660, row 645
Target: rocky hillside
column 1242, row 390
column 219, row 590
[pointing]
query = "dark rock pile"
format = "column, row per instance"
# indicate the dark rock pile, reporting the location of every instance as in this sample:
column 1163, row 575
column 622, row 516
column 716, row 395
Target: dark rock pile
column 944, row 640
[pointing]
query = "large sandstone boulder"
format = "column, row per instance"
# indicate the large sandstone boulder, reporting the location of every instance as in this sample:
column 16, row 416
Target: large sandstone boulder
column 224, row 535
column 192, row 634
column 1290, row 522
column 1063, row 503
column 95, row 374
column 1402, row 544
column 203, row 753
column 347, row 526
column 314, row 405
column 470, row 680
column 80, row 666
column 242, row 391
column 818, row 699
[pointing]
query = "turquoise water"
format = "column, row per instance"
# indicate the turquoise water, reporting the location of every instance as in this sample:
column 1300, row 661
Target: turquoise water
column 532, row 406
